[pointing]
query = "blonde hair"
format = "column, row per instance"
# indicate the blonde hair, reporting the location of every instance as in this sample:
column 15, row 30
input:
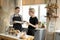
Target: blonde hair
column 32, row 9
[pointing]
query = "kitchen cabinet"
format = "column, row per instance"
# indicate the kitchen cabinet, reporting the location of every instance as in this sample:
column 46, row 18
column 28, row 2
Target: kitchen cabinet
column 57, row 35
column 40, row 34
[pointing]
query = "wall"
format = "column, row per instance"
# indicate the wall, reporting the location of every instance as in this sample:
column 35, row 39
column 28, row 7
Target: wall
column 5, row 12
column 30, row 2
column 58, row 19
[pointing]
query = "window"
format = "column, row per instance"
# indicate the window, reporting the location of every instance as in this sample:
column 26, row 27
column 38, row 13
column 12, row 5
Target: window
column 39, row 9
column 43, row 12
column 25, row 11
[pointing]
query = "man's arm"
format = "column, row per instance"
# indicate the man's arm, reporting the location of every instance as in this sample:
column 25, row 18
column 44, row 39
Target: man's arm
column 11, row 20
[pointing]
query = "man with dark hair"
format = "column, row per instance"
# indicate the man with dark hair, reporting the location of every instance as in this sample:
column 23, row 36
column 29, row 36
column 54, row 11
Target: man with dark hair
column 16, row 19
column 17, row 8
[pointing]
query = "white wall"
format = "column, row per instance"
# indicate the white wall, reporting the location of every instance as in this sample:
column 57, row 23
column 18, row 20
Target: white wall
column 58, row 19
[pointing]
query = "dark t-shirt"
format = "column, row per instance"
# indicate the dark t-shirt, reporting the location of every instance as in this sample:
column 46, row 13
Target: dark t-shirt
column 31, row 29
column 33, row 21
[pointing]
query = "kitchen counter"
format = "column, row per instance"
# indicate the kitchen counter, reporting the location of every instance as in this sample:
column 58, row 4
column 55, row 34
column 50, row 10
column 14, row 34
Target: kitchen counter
column 40, row 34
column 40, row 29
column 57, row 35
column 10, row 36
column 57, row 31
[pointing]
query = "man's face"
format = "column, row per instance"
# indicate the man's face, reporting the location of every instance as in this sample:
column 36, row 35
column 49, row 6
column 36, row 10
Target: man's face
column 17, row 10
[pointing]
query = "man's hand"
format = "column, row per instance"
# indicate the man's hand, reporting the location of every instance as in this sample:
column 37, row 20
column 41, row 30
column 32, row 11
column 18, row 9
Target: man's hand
column 18, row 22
column 21, row 22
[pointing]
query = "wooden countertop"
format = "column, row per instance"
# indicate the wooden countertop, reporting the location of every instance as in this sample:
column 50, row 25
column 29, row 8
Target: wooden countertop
column 13, row 37
column 10, row 36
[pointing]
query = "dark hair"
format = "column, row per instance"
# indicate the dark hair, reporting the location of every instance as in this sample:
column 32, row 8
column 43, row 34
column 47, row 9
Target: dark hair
column 17, row 8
